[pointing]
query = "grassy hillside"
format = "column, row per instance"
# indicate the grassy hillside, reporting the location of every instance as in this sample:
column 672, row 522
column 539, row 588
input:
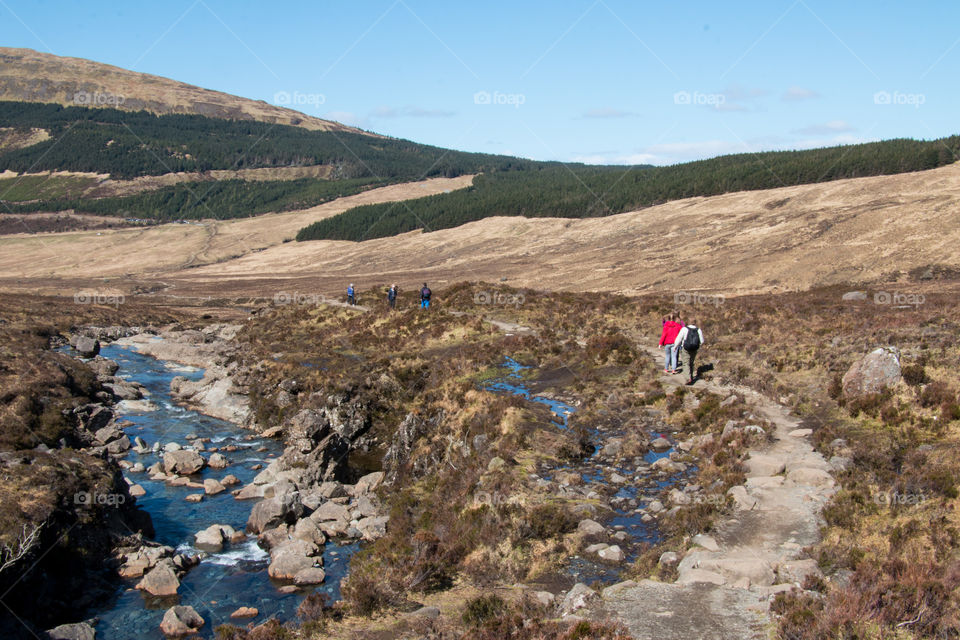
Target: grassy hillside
column 577, row 191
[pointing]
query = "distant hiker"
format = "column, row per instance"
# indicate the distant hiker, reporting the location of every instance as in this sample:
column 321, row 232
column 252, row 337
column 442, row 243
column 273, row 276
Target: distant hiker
column 392, row 296
column 351, row 297
column 691, row 339
column 425, row 294
column 667, row 337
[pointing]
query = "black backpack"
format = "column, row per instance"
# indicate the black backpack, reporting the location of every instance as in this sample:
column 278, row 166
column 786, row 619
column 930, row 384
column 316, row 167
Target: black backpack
column 692, row 341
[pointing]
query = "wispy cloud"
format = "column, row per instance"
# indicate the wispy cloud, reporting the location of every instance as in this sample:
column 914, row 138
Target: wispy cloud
column 626, row 159
column 798, row 94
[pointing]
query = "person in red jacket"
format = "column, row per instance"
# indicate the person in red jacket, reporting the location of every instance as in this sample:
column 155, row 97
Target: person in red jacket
column 667, row 337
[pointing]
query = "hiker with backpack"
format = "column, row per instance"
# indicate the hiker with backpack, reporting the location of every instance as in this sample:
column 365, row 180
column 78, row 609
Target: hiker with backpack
column 667, row 337
column 425, row 294
column 691, row 339
column 351, row 295
column 392, row 296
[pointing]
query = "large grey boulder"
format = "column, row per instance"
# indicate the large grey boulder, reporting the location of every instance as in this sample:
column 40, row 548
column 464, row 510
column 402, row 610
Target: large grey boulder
column 292, row 557
column 270, row 512
column 183, row 462
column 873, row 373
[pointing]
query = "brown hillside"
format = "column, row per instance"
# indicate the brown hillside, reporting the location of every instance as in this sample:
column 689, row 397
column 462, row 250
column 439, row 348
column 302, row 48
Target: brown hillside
column 30, row 76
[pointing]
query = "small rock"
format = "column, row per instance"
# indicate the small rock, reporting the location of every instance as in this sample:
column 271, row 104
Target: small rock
column 660, row 444
column 591, row 527
column 217, row 461
column 245, row 612
column 137, row 491
column 313, row 575
column 613, row 553
column 194, row 497
column 668, row 558
column 162, row 580
column 578, row 597
column 229, row 480
column 212, row 487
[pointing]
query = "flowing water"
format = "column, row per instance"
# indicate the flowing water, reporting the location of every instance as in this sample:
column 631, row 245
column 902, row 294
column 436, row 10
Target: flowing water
column 625, row 516
column 224, row 581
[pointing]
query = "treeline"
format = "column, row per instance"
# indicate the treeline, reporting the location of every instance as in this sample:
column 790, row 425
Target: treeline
column 576, row 191
column 129, row 144
column 222, row 200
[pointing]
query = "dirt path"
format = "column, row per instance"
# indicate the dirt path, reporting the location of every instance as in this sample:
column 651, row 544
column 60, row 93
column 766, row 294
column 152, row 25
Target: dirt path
column 726, row 581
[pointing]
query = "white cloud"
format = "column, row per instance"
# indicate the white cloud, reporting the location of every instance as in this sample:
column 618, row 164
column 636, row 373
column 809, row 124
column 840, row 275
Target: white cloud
column 796, row 94
column 603, row 158
column 826, row 128
column 606, row 112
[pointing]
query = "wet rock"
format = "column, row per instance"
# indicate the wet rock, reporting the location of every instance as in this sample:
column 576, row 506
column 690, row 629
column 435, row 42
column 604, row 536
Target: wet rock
column 212, row 487
column 213, row 537
column 194, row 497
column 182, row 462
column 74, row 631
column 245, row 612
column 162, row 580
column 230, row 480
column 875, row 372
column 217, row 461
column 180, row 621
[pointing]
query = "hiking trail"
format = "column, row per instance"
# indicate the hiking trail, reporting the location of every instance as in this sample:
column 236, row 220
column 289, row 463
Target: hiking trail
column 727, row 578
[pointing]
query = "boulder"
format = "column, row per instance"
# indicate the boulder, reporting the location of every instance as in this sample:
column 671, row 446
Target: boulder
column 74, row 631
column 103, row 366
column 313, row 575
column 229, row 480
column 331, row 511
column 212, row 487
column 182, row 462
column 162, row 580
column 194, row 497
column 873, row 373
column 180, row 621
column 613, row 553
column 591, row 527
column 210, row 539
column 137, row 491
column 217, row 461
column 307, row 529
column 292, row 557
column 107, row 434
column 373, row 527
column 119, row 445
column 87, row 347
column 661, row 444
column 270, row 512
column 245, row 612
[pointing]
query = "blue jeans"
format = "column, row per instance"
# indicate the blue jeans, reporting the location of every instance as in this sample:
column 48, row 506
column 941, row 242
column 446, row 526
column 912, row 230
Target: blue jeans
column 424, row 304
column 669, row 357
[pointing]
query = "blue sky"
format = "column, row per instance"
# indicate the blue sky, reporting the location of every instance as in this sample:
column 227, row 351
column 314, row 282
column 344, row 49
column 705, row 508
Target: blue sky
column 614, row 81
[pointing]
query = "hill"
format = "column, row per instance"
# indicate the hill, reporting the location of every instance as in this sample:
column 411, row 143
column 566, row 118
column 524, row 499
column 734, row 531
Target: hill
column 30, row 76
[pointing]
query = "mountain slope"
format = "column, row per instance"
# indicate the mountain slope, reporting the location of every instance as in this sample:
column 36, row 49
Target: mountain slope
column 30, row 76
